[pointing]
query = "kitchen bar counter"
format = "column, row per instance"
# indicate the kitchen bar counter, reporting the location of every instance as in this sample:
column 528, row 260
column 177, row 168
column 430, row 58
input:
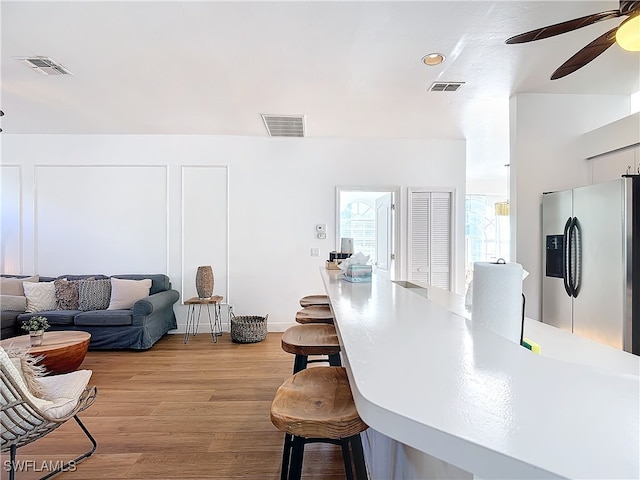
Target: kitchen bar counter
column 426, row 377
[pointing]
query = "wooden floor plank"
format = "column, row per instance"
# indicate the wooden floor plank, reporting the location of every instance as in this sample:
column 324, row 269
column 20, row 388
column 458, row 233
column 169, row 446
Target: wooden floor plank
column 196, row 411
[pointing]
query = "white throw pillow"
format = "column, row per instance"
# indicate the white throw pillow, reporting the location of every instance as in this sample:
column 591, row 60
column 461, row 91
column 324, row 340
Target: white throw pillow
column 124, row 293
column 40, row 296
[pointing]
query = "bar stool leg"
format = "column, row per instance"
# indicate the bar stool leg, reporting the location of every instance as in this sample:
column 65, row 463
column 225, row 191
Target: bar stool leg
column 300, row 363
column 358, row 457
column 297, row 456
column 346, row 458
column 334, row 360
column 286, row 456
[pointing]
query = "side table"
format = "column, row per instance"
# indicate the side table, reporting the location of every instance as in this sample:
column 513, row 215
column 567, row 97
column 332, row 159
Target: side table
column 192, row 323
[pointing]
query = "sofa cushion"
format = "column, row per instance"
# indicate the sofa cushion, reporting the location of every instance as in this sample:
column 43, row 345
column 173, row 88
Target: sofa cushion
column 13, row 286
column 94, row 294
column 40, row 296
column 104, row 318
column 124, row 293
column 13, row 303
column 67, row 296
column 159, row 281
column 54, row 317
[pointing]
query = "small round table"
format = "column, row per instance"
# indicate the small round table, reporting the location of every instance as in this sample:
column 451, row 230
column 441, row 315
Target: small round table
column 193, row 324
column 63, row 351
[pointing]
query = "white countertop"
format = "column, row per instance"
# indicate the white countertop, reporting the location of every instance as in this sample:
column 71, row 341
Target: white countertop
column 423, row 375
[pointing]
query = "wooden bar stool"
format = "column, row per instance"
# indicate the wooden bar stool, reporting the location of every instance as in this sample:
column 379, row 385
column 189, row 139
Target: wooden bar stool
column 311, row 339
column 315, row 314
column 314, row 300
column 316, row 405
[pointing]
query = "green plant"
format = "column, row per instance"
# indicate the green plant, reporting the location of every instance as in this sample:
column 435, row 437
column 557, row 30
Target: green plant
column 35, row 323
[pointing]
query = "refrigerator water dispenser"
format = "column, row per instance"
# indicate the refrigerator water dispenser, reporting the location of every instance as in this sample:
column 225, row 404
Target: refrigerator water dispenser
column 555, row 258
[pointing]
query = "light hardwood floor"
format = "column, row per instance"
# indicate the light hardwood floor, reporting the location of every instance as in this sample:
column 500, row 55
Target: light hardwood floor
column 194, row 411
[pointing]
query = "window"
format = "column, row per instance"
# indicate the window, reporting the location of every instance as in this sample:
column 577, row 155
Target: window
column 487, row 235
column 357, row 221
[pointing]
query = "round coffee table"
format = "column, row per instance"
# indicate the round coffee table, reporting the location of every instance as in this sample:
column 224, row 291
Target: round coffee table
column 63, row 352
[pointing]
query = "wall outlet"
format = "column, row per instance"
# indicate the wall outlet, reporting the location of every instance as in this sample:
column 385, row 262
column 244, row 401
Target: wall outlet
column 315, row 252
column 321, row 235
column 321, row 227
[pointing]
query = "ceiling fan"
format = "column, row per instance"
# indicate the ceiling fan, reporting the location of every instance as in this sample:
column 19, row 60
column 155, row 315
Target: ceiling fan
column 629, row 27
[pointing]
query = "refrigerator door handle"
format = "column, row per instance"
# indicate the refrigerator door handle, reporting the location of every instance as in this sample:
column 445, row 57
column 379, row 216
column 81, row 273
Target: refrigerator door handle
column 576, row 240
column 566, row 257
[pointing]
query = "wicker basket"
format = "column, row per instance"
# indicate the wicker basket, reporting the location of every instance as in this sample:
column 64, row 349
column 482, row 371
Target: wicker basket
column 248, row 328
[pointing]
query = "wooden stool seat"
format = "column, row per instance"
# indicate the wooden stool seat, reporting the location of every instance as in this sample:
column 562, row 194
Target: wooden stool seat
column 314, row 300
column 311, row 339
column 315, row 314
column 316, row 405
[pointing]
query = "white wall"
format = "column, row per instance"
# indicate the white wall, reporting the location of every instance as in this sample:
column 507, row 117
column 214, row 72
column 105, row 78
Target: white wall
column 547, row 154
column 277, row 190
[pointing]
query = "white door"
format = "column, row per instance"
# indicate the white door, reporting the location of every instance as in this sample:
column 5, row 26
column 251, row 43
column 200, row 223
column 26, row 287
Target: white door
column 384, row 229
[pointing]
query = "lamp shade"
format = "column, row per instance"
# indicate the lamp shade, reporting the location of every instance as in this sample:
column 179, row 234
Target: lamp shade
column 204, row 282
column 628, row 34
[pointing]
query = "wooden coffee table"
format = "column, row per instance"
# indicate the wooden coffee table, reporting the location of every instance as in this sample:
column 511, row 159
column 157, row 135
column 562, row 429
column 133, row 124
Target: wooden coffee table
column 63, row 351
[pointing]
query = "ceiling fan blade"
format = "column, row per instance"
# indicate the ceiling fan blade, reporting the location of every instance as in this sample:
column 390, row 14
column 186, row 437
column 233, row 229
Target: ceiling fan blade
column 564, row 27
column 586, row 54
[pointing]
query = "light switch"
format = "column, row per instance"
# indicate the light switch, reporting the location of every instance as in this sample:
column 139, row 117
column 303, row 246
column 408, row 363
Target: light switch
column 315, row 252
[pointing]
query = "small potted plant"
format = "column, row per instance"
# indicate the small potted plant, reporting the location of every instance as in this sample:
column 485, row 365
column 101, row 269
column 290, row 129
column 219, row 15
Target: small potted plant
column 36, row 326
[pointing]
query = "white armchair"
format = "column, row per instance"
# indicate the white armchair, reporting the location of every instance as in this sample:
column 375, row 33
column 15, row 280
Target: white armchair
column 26, row 417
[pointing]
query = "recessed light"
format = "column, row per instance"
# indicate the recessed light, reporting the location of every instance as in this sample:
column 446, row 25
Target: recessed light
column 432, row 59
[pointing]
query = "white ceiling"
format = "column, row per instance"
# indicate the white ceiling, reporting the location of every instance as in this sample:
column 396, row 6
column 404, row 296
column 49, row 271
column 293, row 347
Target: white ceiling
column 353, row 68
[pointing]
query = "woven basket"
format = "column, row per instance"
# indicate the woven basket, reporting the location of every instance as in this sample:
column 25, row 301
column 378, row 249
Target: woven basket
column 248, row 328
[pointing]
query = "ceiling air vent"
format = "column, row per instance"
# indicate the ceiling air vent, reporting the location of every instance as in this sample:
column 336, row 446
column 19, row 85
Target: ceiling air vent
column 45, row 65
column 284, row 125
column 445, row 86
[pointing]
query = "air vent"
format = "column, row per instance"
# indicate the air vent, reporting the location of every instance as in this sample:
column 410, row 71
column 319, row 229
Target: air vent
column 284, row 125
column 445, row 86
column 45, row 65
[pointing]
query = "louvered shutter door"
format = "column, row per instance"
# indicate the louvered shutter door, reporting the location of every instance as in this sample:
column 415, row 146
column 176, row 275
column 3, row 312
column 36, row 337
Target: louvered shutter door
column 440, row 239
column 419, row 223
column 430, row 238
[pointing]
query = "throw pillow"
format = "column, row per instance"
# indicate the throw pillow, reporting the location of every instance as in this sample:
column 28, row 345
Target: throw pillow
column 40, row 296
column 13, row 303
column 13, row 286
column 94, row 294
column 28, row 368
column 67, row 295
column 124, row 293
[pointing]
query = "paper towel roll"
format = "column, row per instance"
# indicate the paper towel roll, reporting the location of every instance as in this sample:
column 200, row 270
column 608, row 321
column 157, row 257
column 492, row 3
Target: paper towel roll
column 497, row 298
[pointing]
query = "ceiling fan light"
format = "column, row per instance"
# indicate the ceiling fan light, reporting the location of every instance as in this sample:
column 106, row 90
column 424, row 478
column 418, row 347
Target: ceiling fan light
column 628, row 34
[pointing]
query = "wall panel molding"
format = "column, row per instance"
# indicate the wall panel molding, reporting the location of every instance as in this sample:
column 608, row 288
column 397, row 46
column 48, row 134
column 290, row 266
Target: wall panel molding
column 205, row 226
column 11, row 240
column 109, row 218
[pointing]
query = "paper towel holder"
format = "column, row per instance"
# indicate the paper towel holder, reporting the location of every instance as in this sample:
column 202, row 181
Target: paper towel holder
column 500, row 261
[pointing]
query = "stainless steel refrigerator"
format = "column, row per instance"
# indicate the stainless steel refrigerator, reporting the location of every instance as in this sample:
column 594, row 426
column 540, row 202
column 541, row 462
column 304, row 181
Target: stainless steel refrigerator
column 591, row 262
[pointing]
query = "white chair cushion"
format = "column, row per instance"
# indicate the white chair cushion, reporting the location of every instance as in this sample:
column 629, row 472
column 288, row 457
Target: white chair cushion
column 60, row 393
column 63, row 391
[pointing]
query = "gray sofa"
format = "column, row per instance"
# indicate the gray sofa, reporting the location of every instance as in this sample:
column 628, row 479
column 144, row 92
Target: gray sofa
column 137, row 328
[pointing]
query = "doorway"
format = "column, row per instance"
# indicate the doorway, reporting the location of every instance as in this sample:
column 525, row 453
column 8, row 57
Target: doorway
column 368, row 215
